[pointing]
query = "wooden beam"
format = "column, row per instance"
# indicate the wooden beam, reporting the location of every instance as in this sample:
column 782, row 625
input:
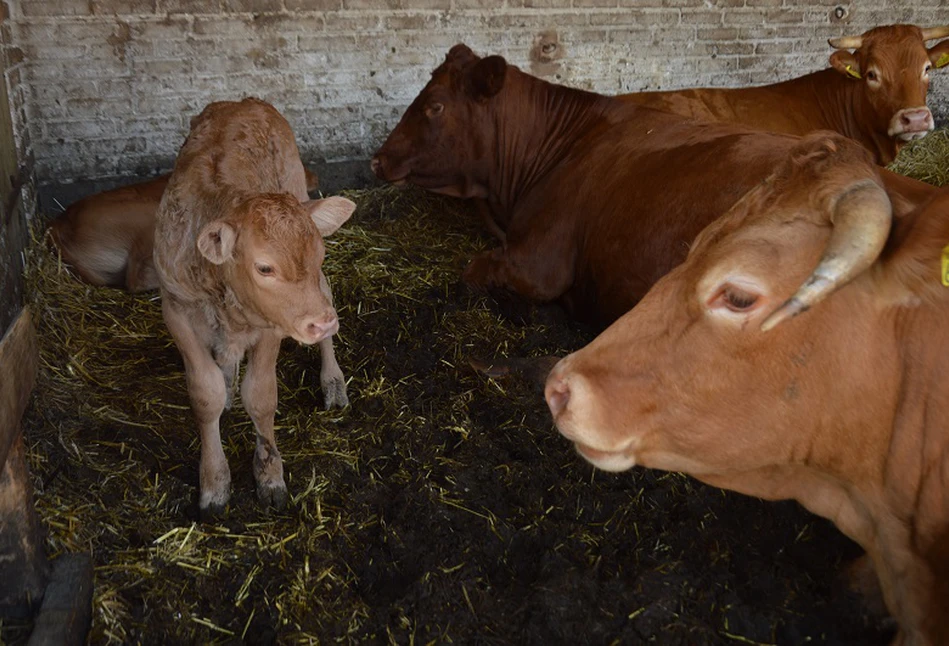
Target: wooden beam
column 19, row 360
column 66, row 614
column 23, row 566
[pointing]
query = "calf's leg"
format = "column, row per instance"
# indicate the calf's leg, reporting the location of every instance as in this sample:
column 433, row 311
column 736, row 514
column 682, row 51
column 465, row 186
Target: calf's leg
column 259, row 394
column 332, row 380
column 207, row 394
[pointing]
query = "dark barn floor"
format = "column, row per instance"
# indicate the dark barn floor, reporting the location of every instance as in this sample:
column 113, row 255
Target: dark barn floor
column 440, row 507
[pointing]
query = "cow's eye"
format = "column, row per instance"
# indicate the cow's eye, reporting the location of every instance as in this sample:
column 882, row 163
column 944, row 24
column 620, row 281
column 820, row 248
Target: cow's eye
column 927, row 68
column 871, row 75
column 435, row 109
column 263, row 269
column 738, row 300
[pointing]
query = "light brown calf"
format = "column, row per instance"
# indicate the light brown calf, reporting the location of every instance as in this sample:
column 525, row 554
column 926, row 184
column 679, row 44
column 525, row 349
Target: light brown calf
column 108, row 237
column 721, row 371
column 238, row 250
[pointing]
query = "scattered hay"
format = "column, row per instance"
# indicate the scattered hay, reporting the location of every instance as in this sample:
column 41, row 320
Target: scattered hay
column 925, row 159
column 440, row 506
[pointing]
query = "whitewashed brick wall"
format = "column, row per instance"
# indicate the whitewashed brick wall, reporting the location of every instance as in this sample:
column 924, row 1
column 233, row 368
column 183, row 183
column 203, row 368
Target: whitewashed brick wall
column 107, row 87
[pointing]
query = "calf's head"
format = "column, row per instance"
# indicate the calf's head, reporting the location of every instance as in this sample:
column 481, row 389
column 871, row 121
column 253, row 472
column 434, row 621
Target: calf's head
column 893, row 64
column 270, row 250
column 442, row 142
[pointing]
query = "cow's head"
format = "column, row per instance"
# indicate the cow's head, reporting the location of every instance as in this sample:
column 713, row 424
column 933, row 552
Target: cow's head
column 271, row 251
column 893, row 65
column 442, row 142
column 707, row 374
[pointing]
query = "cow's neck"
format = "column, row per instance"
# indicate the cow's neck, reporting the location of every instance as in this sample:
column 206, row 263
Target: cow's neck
column 537, row 126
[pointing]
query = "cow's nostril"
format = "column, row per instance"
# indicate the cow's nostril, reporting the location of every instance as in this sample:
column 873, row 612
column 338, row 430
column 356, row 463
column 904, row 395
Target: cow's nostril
column 558, row 395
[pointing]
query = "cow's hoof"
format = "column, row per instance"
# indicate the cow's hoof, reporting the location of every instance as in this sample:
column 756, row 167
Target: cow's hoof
column 334, row 394
column 272, row 494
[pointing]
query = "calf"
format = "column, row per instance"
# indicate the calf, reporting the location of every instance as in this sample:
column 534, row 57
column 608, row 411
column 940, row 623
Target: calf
column 841, row 408
column 238, row 250
column 598, row 197
column 875, row 94
column 107, row 238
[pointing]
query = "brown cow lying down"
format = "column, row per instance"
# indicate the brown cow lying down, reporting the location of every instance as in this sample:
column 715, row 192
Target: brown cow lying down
column 108, row 237
column 843, row 408
column 875, row 94
column 238, row 249
column 599, row 197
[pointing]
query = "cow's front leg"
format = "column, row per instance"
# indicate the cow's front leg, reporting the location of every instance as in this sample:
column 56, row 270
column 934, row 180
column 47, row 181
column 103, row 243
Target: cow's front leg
column 528, row 270
column 332, row 380
column 207, row 393
column 259, row 394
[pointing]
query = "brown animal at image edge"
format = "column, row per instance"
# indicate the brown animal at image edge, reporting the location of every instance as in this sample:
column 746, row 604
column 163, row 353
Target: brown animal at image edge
column 838, row 408
column 875, row 94
column 238, row 251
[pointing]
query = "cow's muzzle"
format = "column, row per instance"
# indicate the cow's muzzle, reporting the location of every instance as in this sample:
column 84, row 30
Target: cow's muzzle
column 911, row 123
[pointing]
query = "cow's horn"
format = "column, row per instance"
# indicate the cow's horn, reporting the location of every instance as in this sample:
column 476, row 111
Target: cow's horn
column 932, row 33
column 846, row 42
column 861, row 221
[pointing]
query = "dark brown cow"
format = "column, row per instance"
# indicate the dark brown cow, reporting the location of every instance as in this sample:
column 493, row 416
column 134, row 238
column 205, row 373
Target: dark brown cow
column 875, row 94
column 239, row 249
column 108, row 237
column 599, row 197
column 843, row 408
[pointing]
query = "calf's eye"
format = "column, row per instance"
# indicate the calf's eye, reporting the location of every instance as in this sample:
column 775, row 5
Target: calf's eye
column 435, row 109
column 263, row 269
column 871, row 75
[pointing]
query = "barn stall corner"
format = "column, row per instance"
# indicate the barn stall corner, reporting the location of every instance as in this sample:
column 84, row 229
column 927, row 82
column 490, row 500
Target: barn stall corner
column 441, row 505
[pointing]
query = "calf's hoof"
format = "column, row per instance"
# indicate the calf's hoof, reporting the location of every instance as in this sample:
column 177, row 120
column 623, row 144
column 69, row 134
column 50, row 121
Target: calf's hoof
column 334, row 393
column 272, row 494
column 213, row 505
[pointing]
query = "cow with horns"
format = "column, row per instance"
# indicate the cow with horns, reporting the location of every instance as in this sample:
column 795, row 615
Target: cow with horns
column 875, row 94
column 721, row 372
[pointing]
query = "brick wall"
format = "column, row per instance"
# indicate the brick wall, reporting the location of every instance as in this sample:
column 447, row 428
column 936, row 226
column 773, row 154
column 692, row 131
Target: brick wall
column 110, row 85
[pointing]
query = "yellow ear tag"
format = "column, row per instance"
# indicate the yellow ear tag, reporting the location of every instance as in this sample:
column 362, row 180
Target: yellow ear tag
column 944, row 274
column 943, row 60
column 852, row 72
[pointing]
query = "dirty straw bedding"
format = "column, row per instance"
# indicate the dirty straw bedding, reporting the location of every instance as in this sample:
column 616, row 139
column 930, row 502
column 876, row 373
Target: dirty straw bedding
column 440, row 507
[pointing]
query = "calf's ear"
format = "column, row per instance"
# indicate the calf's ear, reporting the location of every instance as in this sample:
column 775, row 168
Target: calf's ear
column 330, row 213
column 845, row 63
column 486, row 78
column 939, row 54
column 216, row 241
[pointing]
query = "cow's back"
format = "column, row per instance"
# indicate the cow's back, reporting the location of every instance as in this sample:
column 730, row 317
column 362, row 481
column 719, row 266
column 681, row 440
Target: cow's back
column 659, row 182
column 794, row 107
column 235, row 150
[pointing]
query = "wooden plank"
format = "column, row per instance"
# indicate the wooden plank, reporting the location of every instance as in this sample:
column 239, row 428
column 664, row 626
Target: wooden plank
column 23, row 566
column 66, row 613
column 19, row 360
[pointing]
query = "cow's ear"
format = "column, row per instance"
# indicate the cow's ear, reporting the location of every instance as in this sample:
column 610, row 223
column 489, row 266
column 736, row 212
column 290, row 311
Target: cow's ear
column 915, row 261
column 330, row 213
column 845, row 63
column 939, row 54
column 216, row 241
column 487, row 76
column 460, row 53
